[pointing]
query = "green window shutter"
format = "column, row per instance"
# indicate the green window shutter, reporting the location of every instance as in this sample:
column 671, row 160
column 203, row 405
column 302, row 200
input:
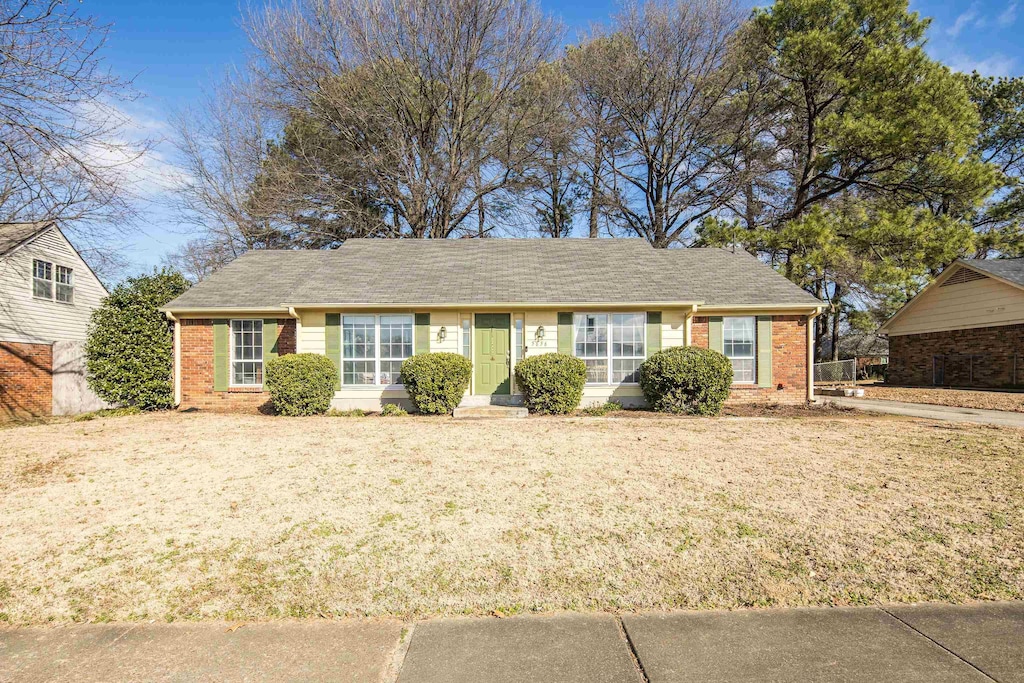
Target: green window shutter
column 715, row 334
column 565, row 333
column 221, row 354
column 332, row 331
column 421, row 337
column 269, row 339
column 653, row 332
column 764, row 350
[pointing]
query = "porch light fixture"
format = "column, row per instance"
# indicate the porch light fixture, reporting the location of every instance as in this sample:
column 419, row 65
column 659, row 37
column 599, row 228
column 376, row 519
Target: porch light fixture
column 539, row 336
column 442, row 333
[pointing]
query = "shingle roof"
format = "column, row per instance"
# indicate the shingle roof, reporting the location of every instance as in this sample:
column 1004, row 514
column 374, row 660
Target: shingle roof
column 13, row 234
column 493, row 271
column 1011, row 269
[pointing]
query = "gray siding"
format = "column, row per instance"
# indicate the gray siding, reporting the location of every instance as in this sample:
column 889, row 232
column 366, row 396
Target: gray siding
column 24, row 318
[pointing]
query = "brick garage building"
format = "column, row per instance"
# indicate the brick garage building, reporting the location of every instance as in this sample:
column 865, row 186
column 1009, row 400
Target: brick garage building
column 966, row 329
column 370, row 304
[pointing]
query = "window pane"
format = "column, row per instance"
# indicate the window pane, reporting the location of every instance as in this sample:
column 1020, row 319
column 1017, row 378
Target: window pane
column 359, row 337
column 391, row 372
column 626, row 370
column 65, row 293
column 357, row 372
column 465, row 338
column 628, row 334
column 739, row 343
column 742, row 370
column 42, row 288
column 395, row 336
column 597, row 371
column 64, row 275
column 519, row 339
column 591, row 335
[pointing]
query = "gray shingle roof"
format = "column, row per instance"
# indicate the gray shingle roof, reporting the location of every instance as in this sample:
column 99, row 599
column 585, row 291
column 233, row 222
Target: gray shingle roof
column 13, row 234
column 489, row 271
column 1011, row 269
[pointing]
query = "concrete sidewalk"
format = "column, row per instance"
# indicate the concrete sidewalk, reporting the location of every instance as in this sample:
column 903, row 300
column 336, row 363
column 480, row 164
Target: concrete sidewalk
column 978, row 642
column 1000, row 418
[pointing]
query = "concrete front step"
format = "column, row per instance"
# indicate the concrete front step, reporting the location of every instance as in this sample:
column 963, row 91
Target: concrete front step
column 486, row 412
column 489, row 400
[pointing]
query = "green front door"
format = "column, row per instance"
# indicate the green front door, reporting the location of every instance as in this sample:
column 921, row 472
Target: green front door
column 491, row 355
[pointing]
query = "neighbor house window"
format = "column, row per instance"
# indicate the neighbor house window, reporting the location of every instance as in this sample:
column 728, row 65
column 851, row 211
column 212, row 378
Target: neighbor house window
column 42, row 279
column 65, row 285
column 611, row 344
column 739, row 343
column 373, row 348
column 246, row 352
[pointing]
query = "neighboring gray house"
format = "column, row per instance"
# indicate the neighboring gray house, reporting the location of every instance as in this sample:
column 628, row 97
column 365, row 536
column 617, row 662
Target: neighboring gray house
column 47, row 294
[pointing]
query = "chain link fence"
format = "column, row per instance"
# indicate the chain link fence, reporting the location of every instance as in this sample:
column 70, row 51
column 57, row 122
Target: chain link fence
column 834, row 372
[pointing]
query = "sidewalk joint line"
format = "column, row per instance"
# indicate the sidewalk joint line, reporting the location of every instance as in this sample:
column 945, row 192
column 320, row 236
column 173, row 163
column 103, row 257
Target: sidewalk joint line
column 937, row 643
column 394, row 667
column 631, row 649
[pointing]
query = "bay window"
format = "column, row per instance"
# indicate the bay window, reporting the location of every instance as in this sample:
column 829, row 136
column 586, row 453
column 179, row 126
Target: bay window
column 611, row 344
column 373, row 348
column 739, row 344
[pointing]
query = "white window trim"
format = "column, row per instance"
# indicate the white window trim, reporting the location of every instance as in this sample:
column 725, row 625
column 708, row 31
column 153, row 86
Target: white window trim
column 70, row 284
column 53, row 282
column 753, row 347
column 376, row 386
column 609, row 357
column 231, row 355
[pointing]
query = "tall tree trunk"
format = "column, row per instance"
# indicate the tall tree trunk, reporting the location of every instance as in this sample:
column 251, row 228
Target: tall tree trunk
column 594, row 174
column 836, row 313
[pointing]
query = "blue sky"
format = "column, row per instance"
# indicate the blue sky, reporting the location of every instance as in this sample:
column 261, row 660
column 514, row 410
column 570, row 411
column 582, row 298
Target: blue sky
column 173, row 48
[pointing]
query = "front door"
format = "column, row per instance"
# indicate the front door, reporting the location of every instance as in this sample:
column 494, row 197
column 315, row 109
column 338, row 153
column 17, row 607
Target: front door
column 491, row 359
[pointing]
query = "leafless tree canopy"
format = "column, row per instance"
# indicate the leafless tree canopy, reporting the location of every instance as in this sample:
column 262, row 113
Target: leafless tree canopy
column 61, row 151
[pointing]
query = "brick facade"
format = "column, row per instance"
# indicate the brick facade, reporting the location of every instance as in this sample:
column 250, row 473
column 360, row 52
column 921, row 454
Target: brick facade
column 789, row 360
column 197, row 368
column 26, row 380
column 986, row 357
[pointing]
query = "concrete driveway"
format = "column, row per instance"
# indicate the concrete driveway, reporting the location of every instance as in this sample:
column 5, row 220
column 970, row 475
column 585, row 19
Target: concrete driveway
column 1000, row 418
column 929, row 642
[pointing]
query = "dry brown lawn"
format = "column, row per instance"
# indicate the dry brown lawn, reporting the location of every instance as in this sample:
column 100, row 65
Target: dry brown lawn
column 961, row 398
column 177, row 516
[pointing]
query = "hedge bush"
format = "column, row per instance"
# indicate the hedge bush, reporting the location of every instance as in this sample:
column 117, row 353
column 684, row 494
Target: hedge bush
column 686, row 379
column 436, row 382
column 129, row 352
column 551, row 382
column 300, row 383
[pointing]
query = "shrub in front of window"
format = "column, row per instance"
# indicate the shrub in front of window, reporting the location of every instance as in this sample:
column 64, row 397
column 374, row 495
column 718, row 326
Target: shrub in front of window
column 436, row 382
column 392, row 410
column 686, row 379
column 300, row 383
column 551, row 382
column 129, row 353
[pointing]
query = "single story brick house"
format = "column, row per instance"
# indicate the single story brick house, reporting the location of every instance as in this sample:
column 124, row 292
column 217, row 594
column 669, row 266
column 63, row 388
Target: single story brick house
column 372, row 303
column 964, row 329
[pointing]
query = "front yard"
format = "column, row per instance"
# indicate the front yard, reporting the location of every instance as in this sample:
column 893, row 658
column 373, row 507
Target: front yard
column 178, row 516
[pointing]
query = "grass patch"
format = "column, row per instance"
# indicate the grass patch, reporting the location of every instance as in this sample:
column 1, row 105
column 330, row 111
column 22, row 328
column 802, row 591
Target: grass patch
column 108, row 412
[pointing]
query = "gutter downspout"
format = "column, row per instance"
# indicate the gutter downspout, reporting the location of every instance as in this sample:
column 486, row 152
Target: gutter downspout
column 810, row 354
column 177, row 357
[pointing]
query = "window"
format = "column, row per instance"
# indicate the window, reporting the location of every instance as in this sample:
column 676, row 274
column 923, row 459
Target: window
column 466, row 338
column 246, row 352
column 373, row 348
column 739, row 343
column 65, row 285
column 520, row 350
column 615, row 362
column 42, row 279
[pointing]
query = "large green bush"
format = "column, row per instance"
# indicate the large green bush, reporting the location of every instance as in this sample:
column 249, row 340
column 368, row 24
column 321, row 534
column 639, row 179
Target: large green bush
column 686, row 379
column 551, row 382
column 300, row 383
column 436, row 382
column 129, row 352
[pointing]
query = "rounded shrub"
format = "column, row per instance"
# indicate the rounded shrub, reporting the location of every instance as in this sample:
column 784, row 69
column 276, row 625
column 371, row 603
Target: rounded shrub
column 129, row 352
column 686, row 379
column 551, row 382
column 392, row 410
column 300, row 383
column 436, row 382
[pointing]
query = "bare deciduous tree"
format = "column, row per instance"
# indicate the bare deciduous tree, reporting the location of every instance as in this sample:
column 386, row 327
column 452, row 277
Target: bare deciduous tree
column 665, row 76
column 62, row 151
column 425, row 96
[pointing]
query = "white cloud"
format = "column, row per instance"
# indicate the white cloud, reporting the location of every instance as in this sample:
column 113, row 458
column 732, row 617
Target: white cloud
column 968, row 18
column 1009, row 15
column 996, row 65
